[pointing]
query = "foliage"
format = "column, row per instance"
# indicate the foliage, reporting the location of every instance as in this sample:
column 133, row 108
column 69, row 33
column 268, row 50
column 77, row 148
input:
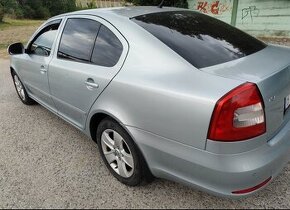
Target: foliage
column 6, row 6
column 174, row 3
column 1, row 14
column 91, row 4
column 42, row 9
column 35, row 9
column 59, row 6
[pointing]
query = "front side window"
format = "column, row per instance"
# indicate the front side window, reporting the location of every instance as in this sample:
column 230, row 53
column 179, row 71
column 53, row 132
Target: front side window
column 108, row 48
column 78, row 39
column 201, row 40
column 43, row 41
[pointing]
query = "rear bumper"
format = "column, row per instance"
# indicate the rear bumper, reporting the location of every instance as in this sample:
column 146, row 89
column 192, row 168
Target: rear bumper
column 217, row 174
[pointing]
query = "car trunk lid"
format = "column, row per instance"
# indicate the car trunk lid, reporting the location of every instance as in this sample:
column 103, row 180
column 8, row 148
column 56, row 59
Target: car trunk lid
column 270, row 70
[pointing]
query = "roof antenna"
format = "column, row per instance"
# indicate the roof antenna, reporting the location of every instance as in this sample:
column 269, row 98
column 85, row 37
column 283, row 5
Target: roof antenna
column 161, row 4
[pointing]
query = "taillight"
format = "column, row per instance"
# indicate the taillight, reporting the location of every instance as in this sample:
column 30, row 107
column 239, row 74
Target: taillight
column 239, row 115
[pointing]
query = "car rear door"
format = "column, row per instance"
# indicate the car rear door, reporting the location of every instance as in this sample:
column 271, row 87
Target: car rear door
column 91, row 52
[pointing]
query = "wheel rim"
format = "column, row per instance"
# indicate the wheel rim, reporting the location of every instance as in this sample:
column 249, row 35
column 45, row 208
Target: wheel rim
column 19, row 87
column 117, row 153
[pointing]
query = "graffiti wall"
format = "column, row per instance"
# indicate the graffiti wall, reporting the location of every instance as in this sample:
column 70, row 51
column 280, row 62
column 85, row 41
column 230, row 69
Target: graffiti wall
column 264, row 17
column 257, row 17
column 219, row 9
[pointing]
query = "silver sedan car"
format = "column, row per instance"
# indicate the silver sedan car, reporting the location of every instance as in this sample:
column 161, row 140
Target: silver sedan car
column 165, row 92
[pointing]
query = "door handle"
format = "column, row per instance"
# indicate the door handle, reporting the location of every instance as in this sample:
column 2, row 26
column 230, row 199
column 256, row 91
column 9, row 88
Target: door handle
column 43, row 69
column 93, row 85
column 90, row 83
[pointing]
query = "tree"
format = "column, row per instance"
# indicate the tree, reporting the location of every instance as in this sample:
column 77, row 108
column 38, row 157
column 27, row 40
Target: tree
column 1, row 14
column 174, row 3
column 60, row 6
column 34, row 9
column 6, row 6
column 42, row 9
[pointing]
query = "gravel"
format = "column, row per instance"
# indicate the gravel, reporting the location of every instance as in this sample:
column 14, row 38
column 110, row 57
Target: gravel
column 47, row 163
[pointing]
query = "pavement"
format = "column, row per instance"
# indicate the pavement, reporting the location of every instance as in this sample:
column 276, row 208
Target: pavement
column 47, row 163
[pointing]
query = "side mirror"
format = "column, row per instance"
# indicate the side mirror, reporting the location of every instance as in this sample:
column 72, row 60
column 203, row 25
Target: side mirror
column 16, row 48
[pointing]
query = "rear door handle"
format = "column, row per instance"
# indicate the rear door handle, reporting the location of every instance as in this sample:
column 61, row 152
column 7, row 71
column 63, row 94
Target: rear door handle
column 90, row 83
column 43, row 69
column 93, row 85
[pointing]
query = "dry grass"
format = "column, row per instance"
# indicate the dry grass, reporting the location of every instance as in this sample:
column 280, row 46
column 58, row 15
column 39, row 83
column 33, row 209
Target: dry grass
column 16, row 31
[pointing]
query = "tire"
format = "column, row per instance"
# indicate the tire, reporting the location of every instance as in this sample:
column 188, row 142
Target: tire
column 20, row 89
column 121, row 155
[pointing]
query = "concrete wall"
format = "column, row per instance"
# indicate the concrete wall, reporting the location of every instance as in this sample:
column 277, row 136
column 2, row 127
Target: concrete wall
column 257, row 17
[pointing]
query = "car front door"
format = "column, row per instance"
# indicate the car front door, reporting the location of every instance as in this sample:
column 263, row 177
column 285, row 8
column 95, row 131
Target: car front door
column 38, row 55
column 90, row 53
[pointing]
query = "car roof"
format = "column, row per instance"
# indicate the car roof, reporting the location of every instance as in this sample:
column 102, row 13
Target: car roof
column 127, row 12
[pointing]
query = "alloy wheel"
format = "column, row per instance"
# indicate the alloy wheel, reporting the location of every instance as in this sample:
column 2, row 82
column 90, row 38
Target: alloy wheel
column 117, row 153
column 19, row 87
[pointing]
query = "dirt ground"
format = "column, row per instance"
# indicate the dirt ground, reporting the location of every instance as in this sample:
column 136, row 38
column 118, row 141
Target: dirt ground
column 276, row 40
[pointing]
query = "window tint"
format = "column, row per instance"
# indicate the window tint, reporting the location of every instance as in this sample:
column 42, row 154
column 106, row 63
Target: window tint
column 78, row 39
column 44, row 40
column 201, row 40
column 108, row 48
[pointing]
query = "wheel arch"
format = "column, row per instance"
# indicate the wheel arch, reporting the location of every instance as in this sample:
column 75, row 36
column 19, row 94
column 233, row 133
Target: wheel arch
column 97, row 118
column 93, row 125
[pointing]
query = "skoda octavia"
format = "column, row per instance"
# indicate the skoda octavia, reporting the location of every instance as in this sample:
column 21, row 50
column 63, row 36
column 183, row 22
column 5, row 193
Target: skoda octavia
column 165, row 92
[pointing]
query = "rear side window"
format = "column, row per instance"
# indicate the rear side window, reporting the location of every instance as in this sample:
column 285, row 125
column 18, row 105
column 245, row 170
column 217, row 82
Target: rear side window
column 201, row 40
column 107, row 49
column 78, row 39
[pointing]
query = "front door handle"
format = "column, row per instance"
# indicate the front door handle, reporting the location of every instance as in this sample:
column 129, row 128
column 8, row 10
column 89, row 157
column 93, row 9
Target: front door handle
column 43, row 70
column 90, row 83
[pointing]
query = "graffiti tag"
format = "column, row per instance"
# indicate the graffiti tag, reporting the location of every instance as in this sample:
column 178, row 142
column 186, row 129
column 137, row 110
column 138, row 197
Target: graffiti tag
column 251, row 11
column 213, row 7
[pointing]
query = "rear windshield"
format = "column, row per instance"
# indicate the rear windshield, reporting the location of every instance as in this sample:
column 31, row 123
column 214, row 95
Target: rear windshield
column 201, row 40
